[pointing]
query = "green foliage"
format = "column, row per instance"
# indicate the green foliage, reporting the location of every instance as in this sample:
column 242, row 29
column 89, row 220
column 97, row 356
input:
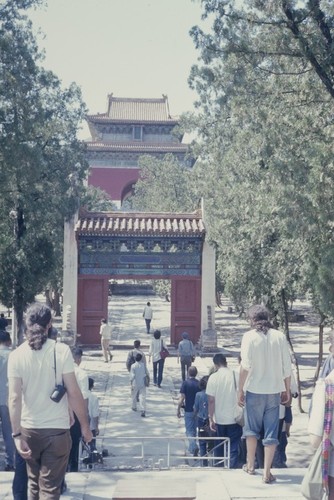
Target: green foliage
column 264, row 120
column 95, row 199
column 42, row 164
column 164, row 185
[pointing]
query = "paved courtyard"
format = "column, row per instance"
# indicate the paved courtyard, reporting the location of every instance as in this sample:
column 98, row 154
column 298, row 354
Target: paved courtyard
column 123, row 432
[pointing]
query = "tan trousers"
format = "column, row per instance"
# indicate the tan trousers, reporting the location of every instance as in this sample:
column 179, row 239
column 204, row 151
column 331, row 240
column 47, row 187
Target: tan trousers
column 47, row 466
column 105, row 348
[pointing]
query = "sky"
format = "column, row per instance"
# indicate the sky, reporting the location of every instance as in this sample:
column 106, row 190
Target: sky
column 131, row 48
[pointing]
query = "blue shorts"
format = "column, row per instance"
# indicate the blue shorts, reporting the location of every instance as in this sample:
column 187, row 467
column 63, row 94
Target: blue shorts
column 262, row 417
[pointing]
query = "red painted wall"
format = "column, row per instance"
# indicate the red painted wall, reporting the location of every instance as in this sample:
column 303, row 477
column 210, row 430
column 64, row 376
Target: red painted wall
column 92, row 306
column 112, row 180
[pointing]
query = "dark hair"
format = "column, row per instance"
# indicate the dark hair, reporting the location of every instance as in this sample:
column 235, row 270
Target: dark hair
column 203, row 382
column 157, row 334
column 52, row 333
column 90, row 383
column 4, row 337
column 77, row 352
column 38, row 317
column 103, row 320
column 258, row 316
column 219, row 359
column 136, row 344
column 192, row 371
column 148, row 303
column 138, row 356
column 2, row 315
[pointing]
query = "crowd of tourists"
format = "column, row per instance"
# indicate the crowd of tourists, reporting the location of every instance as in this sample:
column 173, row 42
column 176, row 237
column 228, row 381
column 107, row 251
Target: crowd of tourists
column 251, row 407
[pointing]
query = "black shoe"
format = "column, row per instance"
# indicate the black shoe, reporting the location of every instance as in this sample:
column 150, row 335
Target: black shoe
column 9, row 468
column 142, row 414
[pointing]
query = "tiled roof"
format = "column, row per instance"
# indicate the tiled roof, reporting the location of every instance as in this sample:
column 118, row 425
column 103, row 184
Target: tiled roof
column 127, row 223
column 142, row 147
column 124, row 109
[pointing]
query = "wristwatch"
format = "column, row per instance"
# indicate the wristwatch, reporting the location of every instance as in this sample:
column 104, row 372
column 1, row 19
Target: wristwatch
column 18, row 434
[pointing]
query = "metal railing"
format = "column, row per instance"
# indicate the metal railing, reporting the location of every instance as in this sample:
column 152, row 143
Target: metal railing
column 152, row 452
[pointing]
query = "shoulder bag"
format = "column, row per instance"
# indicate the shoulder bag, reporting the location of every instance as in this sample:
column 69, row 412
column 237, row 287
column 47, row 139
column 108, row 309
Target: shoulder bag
column 163, row 351
column 315, row 483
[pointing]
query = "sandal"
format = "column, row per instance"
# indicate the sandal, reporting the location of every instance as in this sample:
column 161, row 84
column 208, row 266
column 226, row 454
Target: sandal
column 268, row 480
column 249, row 471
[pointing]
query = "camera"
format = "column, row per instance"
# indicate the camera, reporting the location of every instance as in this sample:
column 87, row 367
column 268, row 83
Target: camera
column 94, row 457
column 58, row 393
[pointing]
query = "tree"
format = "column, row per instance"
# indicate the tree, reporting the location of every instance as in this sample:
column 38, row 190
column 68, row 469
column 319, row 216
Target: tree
column 42, row 162
column 265, row 87
column 164, row 185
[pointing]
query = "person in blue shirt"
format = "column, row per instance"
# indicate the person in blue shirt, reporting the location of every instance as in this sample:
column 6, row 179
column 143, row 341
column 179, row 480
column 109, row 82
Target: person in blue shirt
column 188, row 392
column 201, row 412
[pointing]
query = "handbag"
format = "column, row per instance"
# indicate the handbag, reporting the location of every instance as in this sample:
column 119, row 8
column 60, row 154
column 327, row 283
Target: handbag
column 312, row 487
column 164, row 353
column 315, row 483
column 239, row 411
column 147, row 380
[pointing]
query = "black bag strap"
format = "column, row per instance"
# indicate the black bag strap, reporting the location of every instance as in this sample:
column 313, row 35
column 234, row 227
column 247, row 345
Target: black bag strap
column 55, row 367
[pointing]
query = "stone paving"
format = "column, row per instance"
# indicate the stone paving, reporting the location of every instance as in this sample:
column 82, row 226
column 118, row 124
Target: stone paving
column 121, row 428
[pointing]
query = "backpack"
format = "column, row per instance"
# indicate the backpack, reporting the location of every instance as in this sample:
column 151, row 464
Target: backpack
column 130, row 360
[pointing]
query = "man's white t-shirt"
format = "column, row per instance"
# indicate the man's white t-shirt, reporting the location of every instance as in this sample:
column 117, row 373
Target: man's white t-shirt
column 93, row 410
column 105, row 331
column 36, row 370
column 222, row 386
column 82, row 379
column 148, row 312
column 267, row 359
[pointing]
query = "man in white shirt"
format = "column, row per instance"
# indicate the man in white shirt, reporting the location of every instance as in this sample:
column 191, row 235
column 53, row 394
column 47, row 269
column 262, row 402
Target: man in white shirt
column 138, row 374
column 105, row 332
column 148, row 315
column 264, row 383
column 221, row 390
column 76, row 433
column 93, row 412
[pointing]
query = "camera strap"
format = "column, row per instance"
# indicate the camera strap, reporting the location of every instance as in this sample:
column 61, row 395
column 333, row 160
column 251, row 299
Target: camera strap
column 54, row 354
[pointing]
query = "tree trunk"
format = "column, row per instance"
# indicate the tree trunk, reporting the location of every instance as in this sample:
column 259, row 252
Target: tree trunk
column 48, row 297
column 56, row 303
column 321, row 345
column 285, row 322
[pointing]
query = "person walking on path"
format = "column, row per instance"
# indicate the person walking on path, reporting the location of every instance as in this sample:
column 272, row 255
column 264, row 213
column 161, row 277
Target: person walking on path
column 186, row 353
column 130, row 360
column 5, row 343
column 93, row 412
column 148, row 315
column 264, row 383
column 76, row 431
column 157, row 345
column 139, row 378
column 188, row 391
column 201, row 409
column 105, row 332
column 40, row 424
column 222, row 395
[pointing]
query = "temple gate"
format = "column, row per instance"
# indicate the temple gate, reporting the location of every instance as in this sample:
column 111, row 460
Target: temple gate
column 119, row 245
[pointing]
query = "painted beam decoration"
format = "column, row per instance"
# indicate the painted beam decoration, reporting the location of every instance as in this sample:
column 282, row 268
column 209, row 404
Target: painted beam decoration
column 140, row 244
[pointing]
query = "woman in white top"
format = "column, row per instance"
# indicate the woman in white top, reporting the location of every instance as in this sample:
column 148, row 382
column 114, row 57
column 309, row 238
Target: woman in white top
column 157, row 344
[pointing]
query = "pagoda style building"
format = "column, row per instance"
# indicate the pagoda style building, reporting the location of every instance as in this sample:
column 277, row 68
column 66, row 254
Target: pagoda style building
column 129, row 129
